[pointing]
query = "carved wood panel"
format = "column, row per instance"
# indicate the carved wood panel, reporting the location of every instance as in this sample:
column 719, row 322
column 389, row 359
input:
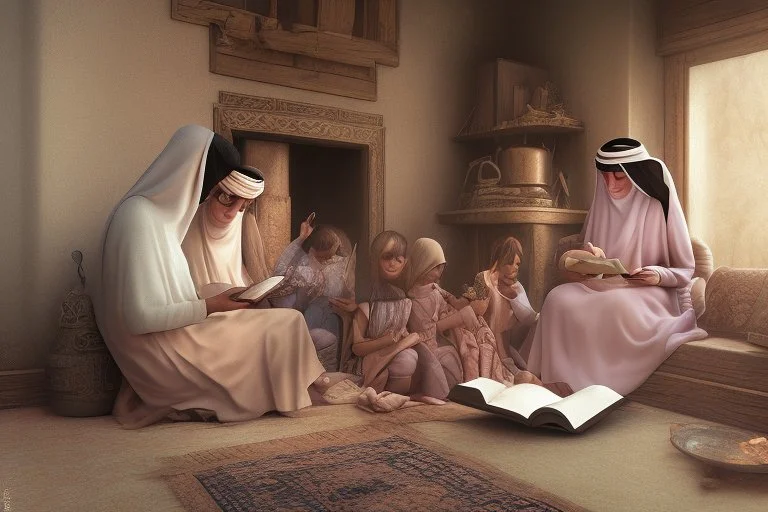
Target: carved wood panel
column 255, row 114
column 330, row 46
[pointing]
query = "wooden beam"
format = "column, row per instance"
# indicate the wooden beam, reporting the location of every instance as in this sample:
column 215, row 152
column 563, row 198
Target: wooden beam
column 302, row 39
column 323, row 45
column 225, row 63
column 386, row 32
column 688, row 25
column 205, row 12
column 676, row 71
column 336, row 16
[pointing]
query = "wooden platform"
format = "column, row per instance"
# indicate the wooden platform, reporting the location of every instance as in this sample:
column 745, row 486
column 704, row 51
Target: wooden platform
column 717, row 379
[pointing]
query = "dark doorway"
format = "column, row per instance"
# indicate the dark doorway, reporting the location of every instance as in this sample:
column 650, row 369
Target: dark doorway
column 332, row 182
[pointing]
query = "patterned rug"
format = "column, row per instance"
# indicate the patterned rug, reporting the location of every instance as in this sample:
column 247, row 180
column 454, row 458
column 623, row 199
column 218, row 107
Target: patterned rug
column 362, row 468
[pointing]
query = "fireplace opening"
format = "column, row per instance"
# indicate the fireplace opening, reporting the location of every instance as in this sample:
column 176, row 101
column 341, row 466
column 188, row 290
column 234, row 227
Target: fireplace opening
column 304, row 176
column 329, row 181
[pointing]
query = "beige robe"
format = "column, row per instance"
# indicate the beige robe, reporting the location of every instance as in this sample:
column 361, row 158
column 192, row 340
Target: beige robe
column 238, row 364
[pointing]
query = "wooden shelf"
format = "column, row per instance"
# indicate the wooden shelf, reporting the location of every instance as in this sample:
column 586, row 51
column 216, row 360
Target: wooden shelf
column 518, row 130
column 513, row 215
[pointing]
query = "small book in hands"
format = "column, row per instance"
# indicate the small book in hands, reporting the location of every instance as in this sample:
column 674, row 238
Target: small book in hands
column 586, row 263
column 536, row 406
column 258, row 291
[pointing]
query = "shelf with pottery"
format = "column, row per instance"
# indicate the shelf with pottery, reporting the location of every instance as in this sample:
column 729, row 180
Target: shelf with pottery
column 516, row 191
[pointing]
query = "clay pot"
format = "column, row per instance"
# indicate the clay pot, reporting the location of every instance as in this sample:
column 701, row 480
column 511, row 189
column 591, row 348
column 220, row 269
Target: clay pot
column 83, row 379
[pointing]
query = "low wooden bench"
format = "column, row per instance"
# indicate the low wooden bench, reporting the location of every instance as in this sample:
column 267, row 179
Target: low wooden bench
column 720, row 379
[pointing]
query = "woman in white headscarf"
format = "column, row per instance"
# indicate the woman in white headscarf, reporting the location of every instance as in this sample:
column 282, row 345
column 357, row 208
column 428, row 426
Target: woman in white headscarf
column 617, row 331
column 178, row 351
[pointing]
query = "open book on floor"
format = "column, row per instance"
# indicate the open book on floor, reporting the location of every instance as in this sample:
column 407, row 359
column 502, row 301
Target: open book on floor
column 536, row 406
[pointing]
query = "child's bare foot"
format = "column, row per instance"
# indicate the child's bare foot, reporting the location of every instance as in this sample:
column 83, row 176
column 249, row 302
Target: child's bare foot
column 328, row 379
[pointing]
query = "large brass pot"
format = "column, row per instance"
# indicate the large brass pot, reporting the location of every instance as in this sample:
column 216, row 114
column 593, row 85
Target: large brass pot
column 525, row 166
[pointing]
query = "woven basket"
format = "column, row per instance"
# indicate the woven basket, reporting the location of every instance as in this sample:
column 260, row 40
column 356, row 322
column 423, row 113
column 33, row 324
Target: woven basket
column 482, row 185
column 485, row 192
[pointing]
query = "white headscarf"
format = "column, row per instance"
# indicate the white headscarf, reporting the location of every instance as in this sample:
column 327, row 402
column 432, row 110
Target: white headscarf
column 240, row 185
column 214, row 253
column 144, row 284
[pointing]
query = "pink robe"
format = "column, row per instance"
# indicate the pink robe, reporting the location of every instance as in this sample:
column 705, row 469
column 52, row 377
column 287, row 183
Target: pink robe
column 476, row 345
column 605, row 331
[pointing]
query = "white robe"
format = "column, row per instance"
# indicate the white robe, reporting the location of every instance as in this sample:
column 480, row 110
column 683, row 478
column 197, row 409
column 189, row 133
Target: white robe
column 239, row 364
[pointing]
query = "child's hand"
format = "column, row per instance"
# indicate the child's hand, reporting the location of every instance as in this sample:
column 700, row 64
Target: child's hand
column 343, row 305
column 479, row 306
column 305, row 230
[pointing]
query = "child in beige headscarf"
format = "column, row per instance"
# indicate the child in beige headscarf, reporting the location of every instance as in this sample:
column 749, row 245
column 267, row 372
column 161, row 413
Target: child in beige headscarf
column 383, row 351
column 434, row 311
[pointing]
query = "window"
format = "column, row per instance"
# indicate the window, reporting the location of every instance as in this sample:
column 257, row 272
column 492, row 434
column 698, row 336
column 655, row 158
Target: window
column 728, row 158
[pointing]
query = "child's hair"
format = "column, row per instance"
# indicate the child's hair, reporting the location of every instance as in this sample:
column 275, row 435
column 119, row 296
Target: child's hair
column 504, row 252
column 382, row 290
column 381, row 241
column 322, row 238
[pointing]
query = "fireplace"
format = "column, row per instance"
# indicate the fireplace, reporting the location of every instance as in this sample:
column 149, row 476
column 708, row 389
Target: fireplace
column 314, row 158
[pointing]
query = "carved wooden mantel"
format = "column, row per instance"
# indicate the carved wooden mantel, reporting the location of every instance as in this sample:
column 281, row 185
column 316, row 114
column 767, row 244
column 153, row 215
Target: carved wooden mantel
column 239, row 113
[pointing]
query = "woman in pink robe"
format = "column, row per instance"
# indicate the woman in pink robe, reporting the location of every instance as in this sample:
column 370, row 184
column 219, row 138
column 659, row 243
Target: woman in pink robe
column 617, row 331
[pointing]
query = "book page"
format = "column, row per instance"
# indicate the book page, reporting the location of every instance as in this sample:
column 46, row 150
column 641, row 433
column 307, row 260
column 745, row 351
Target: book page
column 489, row 388
column 524, row 399
column 259, row 290
column 594, row 265
column 586, row 403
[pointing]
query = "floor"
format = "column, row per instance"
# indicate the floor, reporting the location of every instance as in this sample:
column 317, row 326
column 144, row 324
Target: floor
column 625, row 463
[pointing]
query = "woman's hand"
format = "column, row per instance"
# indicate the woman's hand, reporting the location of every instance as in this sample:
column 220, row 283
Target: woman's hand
column 594, row 250
column 643, row 277
column 479, row 306
column 222, row 302
column 343, row 305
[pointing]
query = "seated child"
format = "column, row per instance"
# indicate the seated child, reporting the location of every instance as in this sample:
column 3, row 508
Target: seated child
column 436, row 312
column 509, row 314
column 316, row 266
column 380, row 348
